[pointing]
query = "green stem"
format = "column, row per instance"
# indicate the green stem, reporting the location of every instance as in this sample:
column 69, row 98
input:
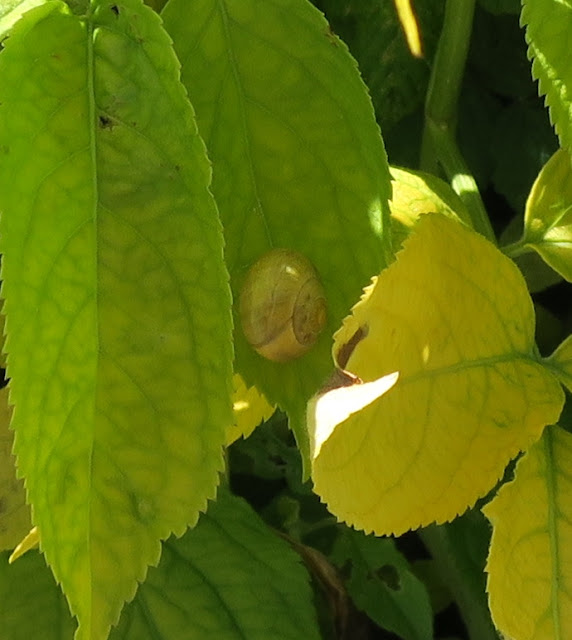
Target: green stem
column 516, row 249
column 439, row 147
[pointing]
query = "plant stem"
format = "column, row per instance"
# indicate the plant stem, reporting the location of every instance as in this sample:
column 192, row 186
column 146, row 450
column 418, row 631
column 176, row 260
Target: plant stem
column 516, row 249
column 439, row 147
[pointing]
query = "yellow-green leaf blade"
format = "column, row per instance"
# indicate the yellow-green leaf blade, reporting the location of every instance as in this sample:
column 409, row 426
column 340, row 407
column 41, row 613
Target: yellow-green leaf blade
column 529, row 581
column 548, row 29
column 117, row 299
column 298, row 161
column 452, row 316
column 548, row 216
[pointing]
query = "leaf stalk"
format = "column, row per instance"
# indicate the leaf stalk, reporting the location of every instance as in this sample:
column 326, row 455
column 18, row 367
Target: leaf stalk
column 439, row 147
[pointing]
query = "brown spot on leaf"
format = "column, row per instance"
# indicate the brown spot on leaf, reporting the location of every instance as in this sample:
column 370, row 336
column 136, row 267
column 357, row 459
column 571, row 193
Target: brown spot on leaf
column 115, row 9
column 340, row 378
column 331, row 36
column 106, row 123
column 347, row 349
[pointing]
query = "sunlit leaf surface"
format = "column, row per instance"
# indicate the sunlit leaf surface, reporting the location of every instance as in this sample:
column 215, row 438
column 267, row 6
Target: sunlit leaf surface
column 415, row 193
column 250, row 409
column 117, row 299
column 230, row 578
column 548, row 217
column 452, row 316
column 298, row 161
column 11, row 11
column 529, row 580
column 548, row 27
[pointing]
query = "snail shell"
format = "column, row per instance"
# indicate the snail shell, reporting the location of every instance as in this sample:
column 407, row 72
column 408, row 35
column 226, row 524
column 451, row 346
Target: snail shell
column 282, row 305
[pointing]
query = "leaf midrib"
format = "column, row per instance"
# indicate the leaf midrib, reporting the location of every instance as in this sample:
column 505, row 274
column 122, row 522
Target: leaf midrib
column 552, row 527
column 90, row 35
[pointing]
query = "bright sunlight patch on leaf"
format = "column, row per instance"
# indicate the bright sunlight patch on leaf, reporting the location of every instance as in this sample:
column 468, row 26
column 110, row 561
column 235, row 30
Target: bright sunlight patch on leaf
column 11, row 11
column 529, row 582
column 410, row 26
column 453, row 317
column 327, row 410
column 30, row 541
column 250, row 408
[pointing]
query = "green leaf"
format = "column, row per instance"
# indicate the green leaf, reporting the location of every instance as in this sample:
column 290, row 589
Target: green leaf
column 529, row 580
column 548, row 217
column 298, row 161
column 548, row 31
column 453, row 321
column 382, row 585
column 459, row 550
column 12, row 10
column 15, row 519
column 117, row 299
column 33, row 606
column 230, row 578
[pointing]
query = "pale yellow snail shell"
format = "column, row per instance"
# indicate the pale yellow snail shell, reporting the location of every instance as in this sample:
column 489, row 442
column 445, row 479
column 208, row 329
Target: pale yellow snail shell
column 282, row 305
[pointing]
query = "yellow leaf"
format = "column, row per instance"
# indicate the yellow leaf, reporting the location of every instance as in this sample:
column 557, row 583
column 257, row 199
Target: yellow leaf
column 561, row 363
column 15, row 521
column 31, row 540
column 250, row 409
column 453, row 318
column 327, row 410
column 530, row 558
column 415, row 193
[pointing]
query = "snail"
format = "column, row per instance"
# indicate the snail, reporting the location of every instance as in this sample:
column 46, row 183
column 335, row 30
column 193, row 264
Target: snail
column 282, row 305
